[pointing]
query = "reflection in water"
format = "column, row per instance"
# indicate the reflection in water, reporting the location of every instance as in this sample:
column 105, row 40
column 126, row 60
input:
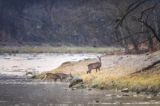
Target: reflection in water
column 28, row 92
column 18, row 91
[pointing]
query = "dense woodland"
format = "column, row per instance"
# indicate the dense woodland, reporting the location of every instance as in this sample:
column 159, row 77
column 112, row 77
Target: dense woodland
column 133, row 24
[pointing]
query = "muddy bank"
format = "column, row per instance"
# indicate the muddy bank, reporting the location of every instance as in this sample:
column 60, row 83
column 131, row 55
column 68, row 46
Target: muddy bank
column 19, row 64
column 117, row 72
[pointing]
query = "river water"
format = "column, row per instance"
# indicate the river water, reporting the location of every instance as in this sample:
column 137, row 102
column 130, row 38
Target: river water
column 18, row 64
column 17, row 90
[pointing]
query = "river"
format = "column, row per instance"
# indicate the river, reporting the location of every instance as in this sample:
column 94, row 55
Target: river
column 18, row 64
column 17, row 90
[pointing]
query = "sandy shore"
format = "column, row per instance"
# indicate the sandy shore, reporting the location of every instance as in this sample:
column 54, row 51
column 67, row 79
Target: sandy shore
column 118, row 72
column 19, row 64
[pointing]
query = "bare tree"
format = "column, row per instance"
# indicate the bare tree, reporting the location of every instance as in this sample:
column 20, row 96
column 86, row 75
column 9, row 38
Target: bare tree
column 146, row 9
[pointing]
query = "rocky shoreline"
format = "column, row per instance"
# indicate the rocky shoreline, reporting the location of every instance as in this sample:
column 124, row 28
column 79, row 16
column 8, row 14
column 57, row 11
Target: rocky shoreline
column 117, row 73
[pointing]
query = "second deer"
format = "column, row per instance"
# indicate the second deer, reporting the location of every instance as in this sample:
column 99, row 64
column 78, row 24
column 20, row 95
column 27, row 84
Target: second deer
column 96, row 65
column 56, row 76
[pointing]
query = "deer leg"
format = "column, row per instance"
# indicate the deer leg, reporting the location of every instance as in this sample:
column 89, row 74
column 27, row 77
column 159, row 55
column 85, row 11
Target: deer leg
column 61, row 78
column 55, row 79
column 44, row 77
column 89, row 71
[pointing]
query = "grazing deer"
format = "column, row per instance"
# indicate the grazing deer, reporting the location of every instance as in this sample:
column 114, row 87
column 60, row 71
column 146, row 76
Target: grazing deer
column 96, row 65
column 61, row 76
column 50, row 76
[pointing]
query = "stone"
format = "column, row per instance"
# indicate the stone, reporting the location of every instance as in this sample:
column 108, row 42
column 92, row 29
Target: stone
column 125, row 94
column 158, row 94
column 89, row 89
column 125, row 90
column 75, row 81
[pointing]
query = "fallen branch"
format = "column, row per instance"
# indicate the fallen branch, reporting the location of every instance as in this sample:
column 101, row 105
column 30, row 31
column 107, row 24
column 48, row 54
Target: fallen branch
column 147, row 68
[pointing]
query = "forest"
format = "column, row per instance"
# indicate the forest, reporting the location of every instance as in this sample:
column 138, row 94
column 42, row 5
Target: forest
column 79, row 52
column 132, row 24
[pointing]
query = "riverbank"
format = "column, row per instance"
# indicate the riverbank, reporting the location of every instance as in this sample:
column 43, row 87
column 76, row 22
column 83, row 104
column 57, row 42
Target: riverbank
column 119, row 72
column 61, row 49
column 21, row 63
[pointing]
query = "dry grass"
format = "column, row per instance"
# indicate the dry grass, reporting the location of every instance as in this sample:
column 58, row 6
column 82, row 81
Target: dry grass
column 116, row 77
column 149, row 81
column 104, row 80
column 62, row 49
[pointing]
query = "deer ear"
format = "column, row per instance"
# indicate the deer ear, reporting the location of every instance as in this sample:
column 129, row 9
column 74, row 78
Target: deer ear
column 70, row 74
column 98, row 57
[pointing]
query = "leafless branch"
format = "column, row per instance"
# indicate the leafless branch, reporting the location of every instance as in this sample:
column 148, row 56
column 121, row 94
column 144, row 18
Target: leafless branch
column 146, row 10
column 130, row 9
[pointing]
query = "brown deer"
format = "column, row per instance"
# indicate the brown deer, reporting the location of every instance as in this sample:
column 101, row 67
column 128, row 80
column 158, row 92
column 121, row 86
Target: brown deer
column 96, row 65
column 61, row 76
column 50, row 76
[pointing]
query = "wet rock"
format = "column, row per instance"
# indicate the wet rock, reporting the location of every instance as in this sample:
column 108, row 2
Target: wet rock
column 125, row 90
column 138, row 92
column 119, row 96
column 74, row 88
column 33, row 77
column 89, row 89
column 135, row 95
column 120, row 58
column 158, row 94
column 97, row 101
column 149, row 96
column 108, row 95
column 76, row 81
column 79, row 86
column 125, row 94
column 66, row 89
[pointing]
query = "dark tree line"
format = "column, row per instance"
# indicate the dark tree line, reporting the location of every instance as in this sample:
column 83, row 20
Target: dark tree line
column 133, row 24
column 141, row 20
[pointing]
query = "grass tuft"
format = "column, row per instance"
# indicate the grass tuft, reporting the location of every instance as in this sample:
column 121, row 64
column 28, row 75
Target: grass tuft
column 63, row 49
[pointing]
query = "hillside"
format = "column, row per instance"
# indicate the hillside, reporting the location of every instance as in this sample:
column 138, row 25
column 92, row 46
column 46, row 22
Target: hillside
column 119, row 71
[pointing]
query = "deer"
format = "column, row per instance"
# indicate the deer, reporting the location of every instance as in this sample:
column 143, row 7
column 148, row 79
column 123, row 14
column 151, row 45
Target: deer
column 50, row 76
column 96, row 65
column 63, row 76
column 56, row 76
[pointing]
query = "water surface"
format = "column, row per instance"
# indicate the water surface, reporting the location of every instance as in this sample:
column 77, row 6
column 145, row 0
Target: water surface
column 28, row 92
column 17, row 90
column 18, row 64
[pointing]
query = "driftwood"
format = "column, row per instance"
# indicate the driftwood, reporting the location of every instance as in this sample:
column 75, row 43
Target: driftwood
column 147, row 68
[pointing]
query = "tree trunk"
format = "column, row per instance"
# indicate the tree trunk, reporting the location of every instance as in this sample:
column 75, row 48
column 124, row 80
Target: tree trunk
column 133, row 40
column 150, row 42
column 124, row 42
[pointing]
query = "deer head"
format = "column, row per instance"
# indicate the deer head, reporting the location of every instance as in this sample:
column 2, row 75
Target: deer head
column 99, row 58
